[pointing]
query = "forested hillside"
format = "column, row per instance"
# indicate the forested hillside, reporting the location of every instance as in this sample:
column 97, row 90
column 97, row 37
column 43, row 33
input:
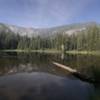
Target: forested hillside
column 86, row 39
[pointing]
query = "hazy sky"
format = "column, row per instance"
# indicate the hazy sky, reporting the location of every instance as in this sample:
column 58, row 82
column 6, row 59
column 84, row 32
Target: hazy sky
column 48, row 13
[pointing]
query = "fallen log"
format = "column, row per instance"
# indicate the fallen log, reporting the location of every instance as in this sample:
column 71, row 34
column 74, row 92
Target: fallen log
column 65, row 67
column 76, row 73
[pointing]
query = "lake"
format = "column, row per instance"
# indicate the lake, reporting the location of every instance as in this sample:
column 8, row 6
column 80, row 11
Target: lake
column 32, row 76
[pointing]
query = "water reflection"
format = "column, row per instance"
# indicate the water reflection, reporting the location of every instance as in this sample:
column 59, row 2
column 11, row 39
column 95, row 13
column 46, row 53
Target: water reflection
column 30, row 62
column 11, row 63
column 42, row 86
column 28, row 76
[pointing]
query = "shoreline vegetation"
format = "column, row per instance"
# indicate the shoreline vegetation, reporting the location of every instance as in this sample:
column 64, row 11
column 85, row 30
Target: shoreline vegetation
column 83, row 42
column 30, row 51
column 84, row 52
column 74, row 52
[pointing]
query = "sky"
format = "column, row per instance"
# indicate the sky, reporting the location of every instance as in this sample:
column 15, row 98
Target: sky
column 48, row 13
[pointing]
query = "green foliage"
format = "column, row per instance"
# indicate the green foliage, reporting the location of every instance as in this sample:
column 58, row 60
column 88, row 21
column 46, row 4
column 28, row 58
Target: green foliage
column 88, row 40
column 8, row 40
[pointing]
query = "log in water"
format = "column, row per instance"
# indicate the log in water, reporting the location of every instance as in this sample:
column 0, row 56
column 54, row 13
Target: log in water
column 75, row 73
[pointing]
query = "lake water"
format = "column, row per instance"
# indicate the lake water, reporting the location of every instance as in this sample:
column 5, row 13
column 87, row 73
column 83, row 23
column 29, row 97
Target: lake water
column 32, row 76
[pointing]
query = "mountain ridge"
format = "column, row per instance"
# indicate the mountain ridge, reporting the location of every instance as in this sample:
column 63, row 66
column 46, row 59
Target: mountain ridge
column 67, row 29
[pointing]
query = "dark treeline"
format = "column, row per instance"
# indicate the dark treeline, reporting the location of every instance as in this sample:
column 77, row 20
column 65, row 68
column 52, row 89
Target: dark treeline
column 88, row 39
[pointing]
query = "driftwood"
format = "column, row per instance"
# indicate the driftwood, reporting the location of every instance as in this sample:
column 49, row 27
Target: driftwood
column 76, row 73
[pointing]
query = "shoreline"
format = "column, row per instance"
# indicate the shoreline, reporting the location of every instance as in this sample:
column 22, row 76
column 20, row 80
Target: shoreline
column 83, row 52
column 30, row 51
column 74, row 52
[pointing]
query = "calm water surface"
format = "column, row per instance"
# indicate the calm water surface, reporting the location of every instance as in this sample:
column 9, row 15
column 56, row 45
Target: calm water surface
column 32, row 76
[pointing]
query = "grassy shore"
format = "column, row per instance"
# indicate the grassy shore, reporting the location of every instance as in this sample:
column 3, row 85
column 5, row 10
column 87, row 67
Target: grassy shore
column 55, row 51
column 84, row 52
column 30, row 51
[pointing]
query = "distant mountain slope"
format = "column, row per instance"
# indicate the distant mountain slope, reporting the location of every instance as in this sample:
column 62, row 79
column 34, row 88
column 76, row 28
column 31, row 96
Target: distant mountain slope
column 67, row 29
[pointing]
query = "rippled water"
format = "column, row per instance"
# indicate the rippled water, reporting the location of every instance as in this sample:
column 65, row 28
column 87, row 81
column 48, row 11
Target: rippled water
column 32, row 76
